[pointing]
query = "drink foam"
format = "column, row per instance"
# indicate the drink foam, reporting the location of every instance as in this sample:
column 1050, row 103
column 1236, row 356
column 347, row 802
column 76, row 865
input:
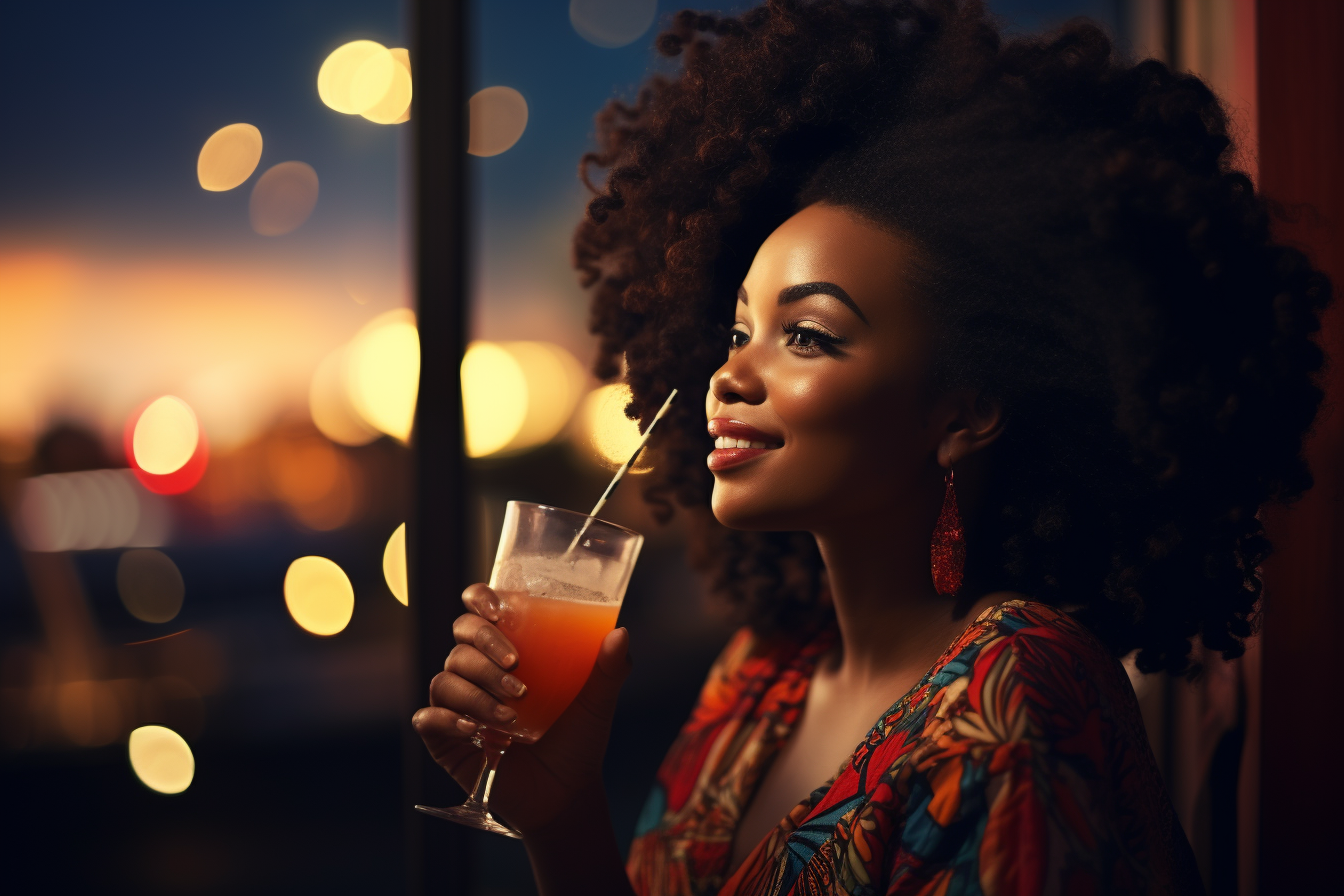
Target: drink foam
column 549, row 576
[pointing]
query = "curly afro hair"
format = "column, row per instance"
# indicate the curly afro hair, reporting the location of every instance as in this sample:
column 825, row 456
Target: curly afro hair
column 1088, row 256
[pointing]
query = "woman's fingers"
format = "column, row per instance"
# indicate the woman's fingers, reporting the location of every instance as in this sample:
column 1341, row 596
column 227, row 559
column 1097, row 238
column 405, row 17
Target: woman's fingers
column 443, row 724
column 476, row 667
column 447, row 736
column 451, row 691
column 482, row 600
column 473, row 630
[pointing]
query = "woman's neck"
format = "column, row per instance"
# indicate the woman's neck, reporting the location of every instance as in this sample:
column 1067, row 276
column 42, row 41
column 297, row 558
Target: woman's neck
column 889, row 614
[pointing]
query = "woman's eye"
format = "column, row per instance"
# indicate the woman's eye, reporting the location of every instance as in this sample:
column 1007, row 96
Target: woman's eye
column 737, row 338
column 810, row 340
column 802, row 339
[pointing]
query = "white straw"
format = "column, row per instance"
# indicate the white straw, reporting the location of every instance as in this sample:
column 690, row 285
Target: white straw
column 625, row 468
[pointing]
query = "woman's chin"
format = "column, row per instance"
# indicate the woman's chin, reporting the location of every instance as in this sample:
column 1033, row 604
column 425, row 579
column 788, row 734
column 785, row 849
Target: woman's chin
column 755, row 516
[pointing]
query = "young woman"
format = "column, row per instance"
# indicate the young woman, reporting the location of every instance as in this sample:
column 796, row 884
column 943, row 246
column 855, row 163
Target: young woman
column 999, row 363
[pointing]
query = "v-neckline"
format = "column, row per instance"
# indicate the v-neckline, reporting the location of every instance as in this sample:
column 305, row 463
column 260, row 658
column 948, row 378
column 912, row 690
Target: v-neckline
column 805, row 663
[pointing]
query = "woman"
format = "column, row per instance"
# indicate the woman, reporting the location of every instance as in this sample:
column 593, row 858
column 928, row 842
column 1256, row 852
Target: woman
column 1011, row 365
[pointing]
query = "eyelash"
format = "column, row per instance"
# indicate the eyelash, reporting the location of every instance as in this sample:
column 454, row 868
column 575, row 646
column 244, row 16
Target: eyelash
column 822, row 341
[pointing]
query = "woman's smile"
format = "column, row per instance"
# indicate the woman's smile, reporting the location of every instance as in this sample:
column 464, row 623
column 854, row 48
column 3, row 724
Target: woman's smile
column 736, row 442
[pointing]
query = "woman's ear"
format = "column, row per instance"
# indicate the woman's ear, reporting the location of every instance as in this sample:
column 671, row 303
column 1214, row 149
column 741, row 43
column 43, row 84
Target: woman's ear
column 973, row 422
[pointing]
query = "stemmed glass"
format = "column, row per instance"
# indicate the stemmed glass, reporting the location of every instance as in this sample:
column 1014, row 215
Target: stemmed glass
column 560, row 577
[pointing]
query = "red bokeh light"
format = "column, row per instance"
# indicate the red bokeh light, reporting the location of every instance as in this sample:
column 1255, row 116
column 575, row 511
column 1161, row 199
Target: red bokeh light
column 180, row 480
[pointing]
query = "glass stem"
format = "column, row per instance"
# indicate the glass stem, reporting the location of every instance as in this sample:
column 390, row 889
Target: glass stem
column 480, row 793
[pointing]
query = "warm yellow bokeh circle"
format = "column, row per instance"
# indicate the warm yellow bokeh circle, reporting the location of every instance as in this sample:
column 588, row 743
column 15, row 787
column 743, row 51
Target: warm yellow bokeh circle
column 165, row 436
column 319, row 595
column 395, row 105
column 161, row 759
column 394, row 565
column 229, row 157
column 382, row 372
column 355, row 76
column 494, row 398
column 612, row 435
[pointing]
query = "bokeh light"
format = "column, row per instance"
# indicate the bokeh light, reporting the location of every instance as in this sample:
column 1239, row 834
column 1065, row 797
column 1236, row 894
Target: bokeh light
column 313, row 478
column 283, row 198
column 330, row 406
column 150, row 585
column 166, row 435
column 494, row 398
column 89, row 712
column 161, row 759
column 497, row 117
column 612, row 23
column 612, row 435
column 180, row 480
column 229, row 157
column 88, row 510
column 394, row 565
column 319, row 595
column 383, row 372
column 555, row 383
column 355, row 76
column 395, row 105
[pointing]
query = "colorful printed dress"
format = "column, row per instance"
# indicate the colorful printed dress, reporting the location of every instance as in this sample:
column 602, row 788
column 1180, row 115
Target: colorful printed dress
column 1017, row 765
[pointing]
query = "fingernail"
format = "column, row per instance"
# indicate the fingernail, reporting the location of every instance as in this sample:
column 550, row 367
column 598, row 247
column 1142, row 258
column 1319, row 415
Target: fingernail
column 513, row 686
column 507, row 659
column 467, row 726
column 503, row 713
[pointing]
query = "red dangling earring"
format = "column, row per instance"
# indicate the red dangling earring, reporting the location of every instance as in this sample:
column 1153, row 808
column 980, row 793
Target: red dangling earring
column 947, row 550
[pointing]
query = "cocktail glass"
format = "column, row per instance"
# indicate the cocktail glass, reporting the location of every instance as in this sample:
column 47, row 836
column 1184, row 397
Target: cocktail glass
column 560, row 577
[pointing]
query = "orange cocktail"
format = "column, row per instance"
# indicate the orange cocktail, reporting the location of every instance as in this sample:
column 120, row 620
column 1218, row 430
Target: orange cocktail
column 560, row 577
column 557, row 641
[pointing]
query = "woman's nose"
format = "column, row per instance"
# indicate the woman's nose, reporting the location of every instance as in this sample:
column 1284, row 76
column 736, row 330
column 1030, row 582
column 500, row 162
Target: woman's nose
column 736, row 382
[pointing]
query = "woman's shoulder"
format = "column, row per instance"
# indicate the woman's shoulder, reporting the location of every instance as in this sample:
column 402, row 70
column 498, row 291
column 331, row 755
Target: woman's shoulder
column 1051, row 670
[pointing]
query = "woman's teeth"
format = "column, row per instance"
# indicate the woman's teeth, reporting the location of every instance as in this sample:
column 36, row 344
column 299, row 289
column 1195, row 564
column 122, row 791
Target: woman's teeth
column 725, row 442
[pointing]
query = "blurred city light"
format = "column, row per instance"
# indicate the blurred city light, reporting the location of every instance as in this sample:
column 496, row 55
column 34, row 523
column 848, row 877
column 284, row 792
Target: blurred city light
column 612, row 23
column 555, row 383
column 319, row 595
column 612, row 435
column 382, row 372
column 88, row 510
column 283, row 198
column 394, row 106
column 355, row 76
column 229, row 157
column 313, row 478
column 166, row 435
column 150, row 585
column 497, row 117
column 89, row 712
column 161, row 759
column 494, row 398
column 394, row 565
column 173, row 430
column 330, row 406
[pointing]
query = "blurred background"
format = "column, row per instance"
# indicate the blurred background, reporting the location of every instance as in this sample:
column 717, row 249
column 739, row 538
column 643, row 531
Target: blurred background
column 209, row 370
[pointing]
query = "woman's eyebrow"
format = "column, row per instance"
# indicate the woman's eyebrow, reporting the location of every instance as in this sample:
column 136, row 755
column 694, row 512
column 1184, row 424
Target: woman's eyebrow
column 820, row 288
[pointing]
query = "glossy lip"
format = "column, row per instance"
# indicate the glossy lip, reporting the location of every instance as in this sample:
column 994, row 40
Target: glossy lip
column 724, row 458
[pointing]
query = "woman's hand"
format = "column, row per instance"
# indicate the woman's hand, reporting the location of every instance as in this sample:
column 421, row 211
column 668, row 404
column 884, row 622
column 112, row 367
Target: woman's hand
column 537, row 782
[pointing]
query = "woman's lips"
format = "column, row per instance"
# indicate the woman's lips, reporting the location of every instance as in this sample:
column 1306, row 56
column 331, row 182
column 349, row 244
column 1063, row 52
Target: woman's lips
column 723, row 458
column 737, row 442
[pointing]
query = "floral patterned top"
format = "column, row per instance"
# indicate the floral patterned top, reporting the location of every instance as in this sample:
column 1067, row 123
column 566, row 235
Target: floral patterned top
column 1017, row 765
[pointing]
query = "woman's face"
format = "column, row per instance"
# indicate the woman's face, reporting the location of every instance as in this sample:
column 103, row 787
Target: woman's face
column 825, row 381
